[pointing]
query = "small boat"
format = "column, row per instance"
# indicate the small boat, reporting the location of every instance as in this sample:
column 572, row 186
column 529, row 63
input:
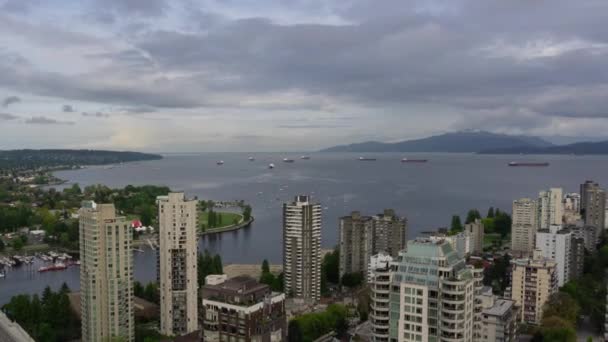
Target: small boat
column 287, row 160
column 271, row 166
column 366, row 159
column 56, row 267
column 305, row 157
column 513, row 163
column 221, row 162
column 251, row 159
column 407, row 160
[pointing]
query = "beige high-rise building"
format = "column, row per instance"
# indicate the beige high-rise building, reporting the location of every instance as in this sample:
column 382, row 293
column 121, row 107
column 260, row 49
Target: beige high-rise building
column 178, row 276
column 524, row 226
column 533, row 281
column 302, row 249
column 364, row 236
column 593, row 206
column 476, row 234
column 550, row 208
column 106, row 274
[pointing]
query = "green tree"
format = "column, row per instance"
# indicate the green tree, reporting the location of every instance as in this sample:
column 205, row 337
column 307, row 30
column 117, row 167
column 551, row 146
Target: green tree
column 472, row 215
column 294, row 332
column 17, row 244
column 456, row 225
column 490, row 213
column 265, row 267
column 331, row 266
column 247, row 213
column 352, row 279
column 2, row 245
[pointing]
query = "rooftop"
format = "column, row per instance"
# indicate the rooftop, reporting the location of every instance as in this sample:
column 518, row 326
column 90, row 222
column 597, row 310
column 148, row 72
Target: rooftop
column 500, row 307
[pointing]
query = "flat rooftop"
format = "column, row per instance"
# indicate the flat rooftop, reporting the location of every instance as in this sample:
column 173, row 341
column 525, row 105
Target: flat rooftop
column 500, row 307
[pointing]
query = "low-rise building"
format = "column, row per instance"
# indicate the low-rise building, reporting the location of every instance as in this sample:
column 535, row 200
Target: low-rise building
column 242, row 309
column 500, row 321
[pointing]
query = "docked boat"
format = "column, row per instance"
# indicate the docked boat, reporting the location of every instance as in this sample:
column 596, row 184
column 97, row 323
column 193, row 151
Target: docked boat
column 56, row 267
column 271, row 166
column 221, row 162
column 366, row 159
column 287, row 160
column 408, row 160
column 305, row 157
column 513, row 163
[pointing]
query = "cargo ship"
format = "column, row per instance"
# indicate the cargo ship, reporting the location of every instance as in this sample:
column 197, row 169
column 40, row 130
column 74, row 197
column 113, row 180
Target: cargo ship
column 221, row 162
column 407, row 160
column 366, row 159
column 56, row 267
column 251, row 159
column 528, row 164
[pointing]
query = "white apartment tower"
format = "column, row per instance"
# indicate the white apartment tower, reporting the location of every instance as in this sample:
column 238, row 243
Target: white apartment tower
column 475, row 230
column 177, row 220
column 106, row 274
column 555, row 244
column 379, row 279
column 302, row 249
column 524, row 226
column 432, row 294
column 550, row 208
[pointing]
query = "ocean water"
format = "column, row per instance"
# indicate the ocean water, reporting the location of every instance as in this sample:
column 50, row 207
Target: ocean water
column 428, row 194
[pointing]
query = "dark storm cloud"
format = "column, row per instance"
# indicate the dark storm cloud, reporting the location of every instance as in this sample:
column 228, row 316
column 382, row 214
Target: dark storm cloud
column 7, row 117
column 310, row 126
column 67, row 108
column 488, row 58
column 9, row 100
column 43, row 120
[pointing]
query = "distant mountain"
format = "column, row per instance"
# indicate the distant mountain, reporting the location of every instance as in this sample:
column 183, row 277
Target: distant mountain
column 466, row 141
column 577, row 148
column 30, row 159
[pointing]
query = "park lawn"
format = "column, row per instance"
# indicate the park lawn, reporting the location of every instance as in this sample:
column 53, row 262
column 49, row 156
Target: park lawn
column 228, row 219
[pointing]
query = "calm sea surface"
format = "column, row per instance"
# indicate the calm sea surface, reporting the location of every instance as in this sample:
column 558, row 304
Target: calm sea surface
column 427, row 194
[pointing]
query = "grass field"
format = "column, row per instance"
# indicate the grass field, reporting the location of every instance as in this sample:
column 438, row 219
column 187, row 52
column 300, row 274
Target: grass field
column 228, row 219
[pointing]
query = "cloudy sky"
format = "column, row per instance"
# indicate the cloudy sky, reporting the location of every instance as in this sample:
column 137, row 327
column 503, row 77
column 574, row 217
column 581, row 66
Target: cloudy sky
column 267, row 75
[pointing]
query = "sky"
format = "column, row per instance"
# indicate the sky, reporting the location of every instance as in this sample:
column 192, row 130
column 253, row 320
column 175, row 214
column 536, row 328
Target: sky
column 296, row 75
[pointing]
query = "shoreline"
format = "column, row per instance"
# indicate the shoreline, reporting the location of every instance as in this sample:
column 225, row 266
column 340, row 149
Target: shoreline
column 227, row 228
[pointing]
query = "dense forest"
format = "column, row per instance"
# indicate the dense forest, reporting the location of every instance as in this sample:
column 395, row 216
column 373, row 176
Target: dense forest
column 34, row 159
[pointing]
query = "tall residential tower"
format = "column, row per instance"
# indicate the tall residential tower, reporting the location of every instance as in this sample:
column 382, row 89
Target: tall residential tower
column 524, row 226
column 177, row 264
column 302, row 249
column 106, row 274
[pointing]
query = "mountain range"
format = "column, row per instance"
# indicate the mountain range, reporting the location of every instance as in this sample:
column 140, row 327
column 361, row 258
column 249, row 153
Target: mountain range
column 476, row 142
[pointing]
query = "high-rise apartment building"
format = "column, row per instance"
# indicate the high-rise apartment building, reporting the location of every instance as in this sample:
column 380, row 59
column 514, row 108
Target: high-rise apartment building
column 106, row 274
column 177, row 221
column 302, row 249
column 550, row 208
column 572, row 202
column 364, row 236
column 379, row 279
column 390, row 233
column 524, row 226
column 593, row 205
column 533, row 281
column 555, row 244
column 432, row 294
column 356, row 243
column 475, row 231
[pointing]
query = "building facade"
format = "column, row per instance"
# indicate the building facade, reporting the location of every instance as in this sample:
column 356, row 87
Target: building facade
column 555, row 244
column 11, row 331
column 533, row 281
column 390, row 233
column 356, row 243
column 550, row 208
column 524, row 226
column 364, row 236
column 302, row 249
column 587, row 233
column 106, row 274
column 499, row 321
column 177, row 264
column 475, row 231
column 593, row 206
column 241, row 309
column 432, row 294
column 379, row 280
